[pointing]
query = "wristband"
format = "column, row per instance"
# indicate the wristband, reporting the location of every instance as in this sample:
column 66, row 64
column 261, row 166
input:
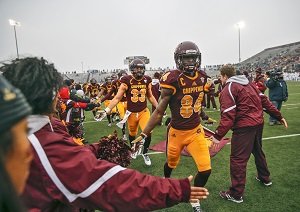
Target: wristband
column 143, row 135
column 107, row 110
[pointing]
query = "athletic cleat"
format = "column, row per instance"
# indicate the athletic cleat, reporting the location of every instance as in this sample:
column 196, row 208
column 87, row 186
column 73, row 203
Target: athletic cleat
column 124, row 137
column 265, row 183
column 227, row 196
column 109, row 125
column 147, row 159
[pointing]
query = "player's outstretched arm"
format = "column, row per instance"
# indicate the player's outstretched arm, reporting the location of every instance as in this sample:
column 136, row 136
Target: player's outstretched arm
column 159, row 111
column 116, row 99
column 150, row 97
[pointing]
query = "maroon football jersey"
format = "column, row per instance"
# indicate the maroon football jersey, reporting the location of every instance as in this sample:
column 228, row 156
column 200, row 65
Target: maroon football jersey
column 136, row 93
column 185, row 103
column 107, row 87
column 93, row 90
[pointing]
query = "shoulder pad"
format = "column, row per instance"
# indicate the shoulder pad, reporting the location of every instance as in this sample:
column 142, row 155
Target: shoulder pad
column 126, row 79
column 170, row 77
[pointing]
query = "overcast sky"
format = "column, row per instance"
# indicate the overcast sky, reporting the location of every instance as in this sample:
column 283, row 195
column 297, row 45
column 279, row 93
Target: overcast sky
column 100, row 33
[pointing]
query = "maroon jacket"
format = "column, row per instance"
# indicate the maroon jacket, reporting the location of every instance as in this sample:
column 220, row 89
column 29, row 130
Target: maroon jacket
column 242, row 105
column 66, row 177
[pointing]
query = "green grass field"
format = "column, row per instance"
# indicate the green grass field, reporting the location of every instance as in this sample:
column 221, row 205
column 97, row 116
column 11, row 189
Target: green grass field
column 282, row 157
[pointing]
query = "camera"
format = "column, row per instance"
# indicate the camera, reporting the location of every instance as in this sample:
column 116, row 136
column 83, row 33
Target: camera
column 275, row 74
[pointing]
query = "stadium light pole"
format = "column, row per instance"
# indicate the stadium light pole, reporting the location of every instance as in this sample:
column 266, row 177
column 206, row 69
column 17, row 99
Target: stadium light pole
column 240, row 25
column 14, row 24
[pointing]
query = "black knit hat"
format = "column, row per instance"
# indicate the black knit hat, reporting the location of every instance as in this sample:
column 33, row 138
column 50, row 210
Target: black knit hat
column 13, row 105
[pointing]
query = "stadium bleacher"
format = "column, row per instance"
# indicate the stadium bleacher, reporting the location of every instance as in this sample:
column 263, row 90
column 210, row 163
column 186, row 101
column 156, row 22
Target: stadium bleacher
column 286, row 57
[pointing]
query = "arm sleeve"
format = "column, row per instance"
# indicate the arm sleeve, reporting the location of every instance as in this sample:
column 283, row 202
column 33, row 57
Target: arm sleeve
column 228, row 113
column 80, row 99
column 80, row 105
column 112, row 90
column 269, row 107
column 271, row 83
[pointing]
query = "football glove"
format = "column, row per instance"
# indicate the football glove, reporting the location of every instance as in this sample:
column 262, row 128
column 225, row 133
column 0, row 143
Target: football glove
column 102, row 114
column 138, row 144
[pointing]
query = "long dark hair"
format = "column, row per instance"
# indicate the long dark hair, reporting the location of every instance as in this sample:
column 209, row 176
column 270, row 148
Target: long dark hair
column 9, row 200
column 38, row 80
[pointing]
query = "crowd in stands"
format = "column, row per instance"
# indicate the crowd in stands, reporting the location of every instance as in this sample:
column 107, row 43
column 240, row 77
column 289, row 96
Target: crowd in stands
column 287, row 63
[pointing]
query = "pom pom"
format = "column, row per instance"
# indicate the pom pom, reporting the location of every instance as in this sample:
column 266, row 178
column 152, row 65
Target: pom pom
column 114, row 150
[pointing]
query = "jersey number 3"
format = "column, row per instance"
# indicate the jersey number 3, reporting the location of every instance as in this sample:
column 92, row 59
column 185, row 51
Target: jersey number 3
column 138, row 95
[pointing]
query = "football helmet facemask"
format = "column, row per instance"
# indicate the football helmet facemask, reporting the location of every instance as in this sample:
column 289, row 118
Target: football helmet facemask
column 122, row 73
column 137, row 68
column 114, row 77
column 108, row 79
column 187, row 57
column 93, row 81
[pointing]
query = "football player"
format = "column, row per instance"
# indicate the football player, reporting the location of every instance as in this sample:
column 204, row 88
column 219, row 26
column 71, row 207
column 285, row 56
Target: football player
column 92, row 91
column 122, row 105
column 137, row 88
column 183, row 90
column 105, row 89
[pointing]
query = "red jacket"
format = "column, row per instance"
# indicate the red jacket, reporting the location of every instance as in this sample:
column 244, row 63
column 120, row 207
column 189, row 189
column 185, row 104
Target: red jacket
column 66, row 177
column 259, row 82
column 242, row 105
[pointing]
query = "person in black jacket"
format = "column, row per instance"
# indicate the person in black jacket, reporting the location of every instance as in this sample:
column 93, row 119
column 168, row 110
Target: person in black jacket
column 278, row 92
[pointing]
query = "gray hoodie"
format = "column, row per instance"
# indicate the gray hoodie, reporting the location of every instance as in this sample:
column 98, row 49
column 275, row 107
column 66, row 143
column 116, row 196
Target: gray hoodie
column 241, row 79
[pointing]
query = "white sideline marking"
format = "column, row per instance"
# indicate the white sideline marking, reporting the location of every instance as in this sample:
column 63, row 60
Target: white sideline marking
column 281, row 136
column 269, row 138
column 154, row 153
column 289, row 108
column 290, row 104
column 85, row 122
